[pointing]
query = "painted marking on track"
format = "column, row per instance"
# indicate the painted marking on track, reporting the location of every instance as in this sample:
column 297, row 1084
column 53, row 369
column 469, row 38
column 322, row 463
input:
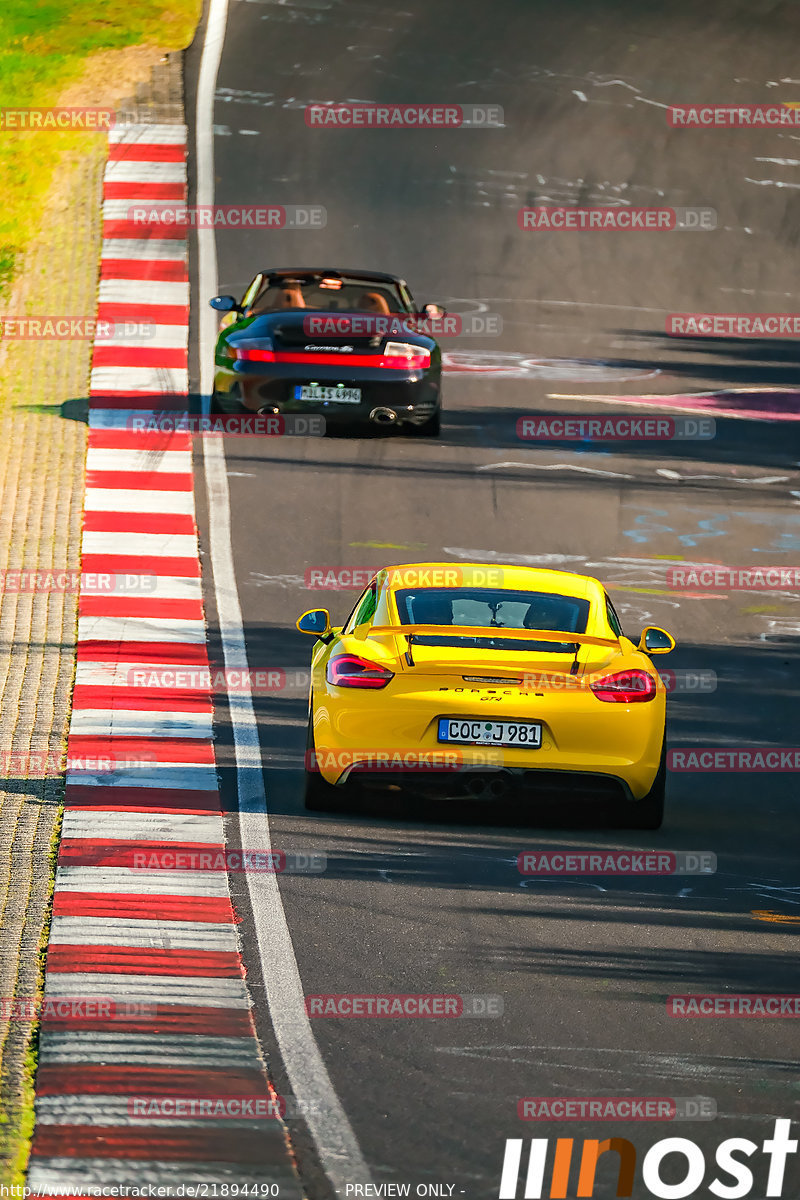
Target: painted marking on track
column 773, row 917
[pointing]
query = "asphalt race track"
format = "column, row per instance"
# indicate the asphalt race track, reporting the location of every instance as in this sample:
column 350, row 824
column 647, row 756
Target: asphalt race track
column 433, row 902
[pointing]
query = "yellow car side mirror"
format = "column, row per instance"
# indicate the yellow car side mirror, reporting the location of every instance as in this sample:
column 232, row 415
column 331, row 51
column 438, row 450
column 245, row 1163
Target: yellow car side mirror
column 317, row 621
column 655, row 640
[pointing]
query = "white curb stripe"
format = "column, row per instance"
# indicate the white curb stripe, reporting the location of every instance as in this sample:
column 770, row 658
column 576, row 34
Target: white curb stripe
column 141, row 723
column 159, row 935
column 148, row 500
column 133, row 171
column 130, row 881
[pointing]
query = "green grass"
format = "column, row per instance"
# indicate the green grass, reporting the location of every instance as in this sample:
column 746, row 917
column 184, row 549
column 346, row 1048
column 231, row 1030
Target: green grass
column 44, row 47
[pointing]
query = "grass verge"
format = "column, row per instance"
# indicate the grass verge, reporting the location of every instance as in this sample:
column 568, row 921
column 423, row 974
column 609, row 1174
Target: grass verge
column 48, row 50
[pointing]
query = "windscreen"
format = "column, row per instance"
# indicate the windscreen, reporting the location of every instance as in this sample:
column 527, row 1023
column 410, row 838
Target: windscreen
column 354, row 295
column 497, row 608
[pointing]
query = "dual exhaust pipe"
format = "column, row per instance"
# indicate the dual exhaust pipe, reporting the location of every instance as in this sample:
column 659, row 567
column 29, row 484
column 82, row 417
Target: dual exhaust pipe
column 383, row 416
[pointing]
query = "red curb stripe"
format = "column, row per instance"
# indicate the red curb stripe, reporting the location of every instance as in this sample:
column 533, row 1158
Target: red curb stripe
column 142, row 699
column 138, row 356
column 112, row 1080
column 139, row 606
column 123, row 522
column 154, row 440
column 124, row 189
column 112, row 852
column 141, row 564
column 83, row 795
column 142, row 232
column 141, row 481
column 132, row 960
column 153, row 1142
column 165, row 270
column 147, row 152
column 196, row 751
column 133, row 906
column 161, row 314
column 169, row 653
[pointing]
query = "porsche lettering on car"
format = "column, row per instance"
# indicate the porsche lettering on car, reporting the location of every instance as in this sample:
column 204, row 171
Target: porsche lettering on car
column 348, row 345
column 514, row 680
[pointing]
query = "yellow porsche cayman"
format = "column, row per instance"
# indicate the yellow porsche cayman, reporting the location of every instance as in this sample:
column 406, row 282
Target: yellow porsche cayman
column 473, row 680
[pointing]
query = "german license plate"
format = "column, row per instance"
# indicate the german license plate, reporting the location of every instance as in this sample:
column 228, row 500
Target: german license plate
column 525, row 734
column 338, row 395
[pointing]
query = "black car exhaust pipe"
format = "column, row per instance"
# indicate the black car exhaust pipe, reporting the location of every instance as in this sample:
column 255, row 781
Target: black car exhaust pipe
column 383, row 416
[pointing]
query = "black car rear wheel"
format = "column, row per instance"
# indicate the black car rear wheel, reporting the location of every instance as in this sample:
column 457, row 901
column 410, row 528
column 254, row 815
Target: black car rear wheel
column 430, row 428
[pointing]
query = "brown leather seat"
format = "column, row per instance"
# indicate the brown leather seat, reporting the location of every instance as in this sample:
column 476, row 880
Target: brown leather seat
column 374, row 302
column 290, row 297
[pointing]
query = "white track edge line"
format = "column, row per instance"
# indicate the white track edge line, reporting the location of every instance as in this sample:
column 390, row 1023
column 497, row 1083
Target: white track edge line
column 338, row 1149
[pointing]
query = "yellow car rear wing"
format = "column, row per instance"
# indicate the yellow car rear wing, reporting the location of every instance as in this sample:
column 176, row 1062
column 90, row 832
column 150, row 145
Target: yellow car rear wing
column 497, row 631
